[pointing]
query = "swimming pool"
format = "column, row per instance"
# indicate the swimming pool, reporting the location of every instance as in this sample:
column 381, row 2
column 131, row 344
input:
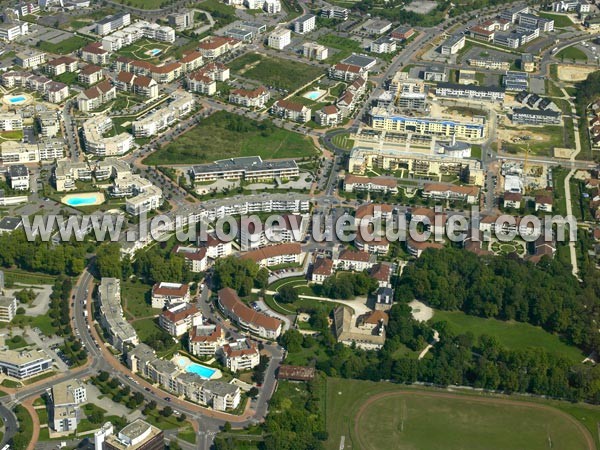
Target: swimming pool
column 17, row 99
column 188, row 366
column 87, row 199
column 314, row 95
column 155, row 51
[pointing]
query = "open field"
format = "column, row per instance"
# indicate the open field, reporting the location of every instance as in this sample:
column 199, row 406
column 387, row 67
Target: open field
column 214, row 138
column 560, row 20
column 572, row 53
column 374, row 416
column 136, row 301
column 566, row 72
column 513, row 335
column 281, row 73
column 63, row 47
column 141, row 50
column 541, row 140
column 144, row 4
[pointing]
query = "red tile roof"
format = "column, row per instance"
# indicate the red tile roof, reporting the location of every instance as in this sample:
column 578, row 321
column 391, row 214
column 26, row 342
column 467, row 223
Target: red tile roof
column 231, row 302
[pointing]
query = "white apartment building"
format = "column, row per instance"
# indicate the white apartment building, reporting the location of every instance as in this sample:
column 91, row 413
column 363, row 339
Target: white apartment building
column 8, row 308
column 112, row 23
column 97, row 144
column 18, row 176
column 180, row 318
column 206, row 340
column 272, row 6
column 256, row 98
column 353, row 260
column 96, row 96
column 121, row 332
column 164, row 294
column 152, row 124
column 312, row 50
column 10, row 121
column 280, row 38
column 289, row 110
column 240, row 355
column 305, row 24
column 10, row 31
column 30, row 59
column 65, row 399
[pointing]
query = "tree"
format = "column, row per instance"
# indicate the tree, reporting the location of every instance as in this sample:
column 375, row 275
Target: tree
column 167, row 411
column 103, row 376
column 227, row 427
column 253, row 392
column 287, row 294
column 108, row 260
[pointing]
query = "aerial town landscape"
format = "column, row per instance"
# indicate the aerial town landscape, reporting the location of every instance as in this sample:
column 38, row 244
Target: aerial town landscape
column 299, row 224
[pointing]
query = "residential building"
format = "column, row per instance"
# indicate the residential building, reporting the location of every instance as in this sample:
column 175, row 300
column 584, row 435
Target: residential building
column 489, row 63
column 335, row 12
column 138, row 435
column 30, row 59
column 354, row 183
column 527, row 62
column 10, row 121
column 383, row 44
column 247, row 318
column 274, row 255
column 164, row 294
column 121, row 333
column 183, row 20
column 592, row 22
column 346, row 72
column 381, row 272
column 179, row 106
column 354, row 260
column 329, row 116
column 61, row 65
column 215, row 247
column 296, row 112
column 95, row 142
column 304, row 24
column 8, row 308
column 453, row 44
column 191, row 61
column 255, row 98
column 146, row 197
column 111, row 23
column 180, row 318
column 18, row 176
column 512, row 200
column 138, row 84
column 94, row 54
column 377, row 245
column 512, row 14
column 543, row 202
column 416, row 248
column 569, row 6
column 384, row 299
column 240, row 355
column 435, row 73
column 510, row 40
column 272, row 6
column 196, row 259
column 11, row 224
column 215, row 46
column 526, row 116
column 384, row 120
column 516, row 81
column 200, row 83
column 438, row 191
column 251, row 168
column 66, row 173
column 22, row 364
column 64, row 400
column 469, row 91
column 321, row 270
column 280, row 38
column 284, row 229
column 312, row 50
column 206, row 340
column 96, row 96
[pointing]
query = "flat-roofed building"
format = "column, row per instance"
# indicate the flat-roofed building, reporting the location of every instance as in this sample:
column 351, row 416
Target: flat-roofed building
column 249, row 168
column 304, row 24
column 280, row 38
column 96, row 143
column 526, row 116
column 65, row 398
column 23, row 363
column 121, row 332
column 138, row 435
column 312, row 50
column 8, row 308
column 30, row 59
column 469, row 91
column 453, row 44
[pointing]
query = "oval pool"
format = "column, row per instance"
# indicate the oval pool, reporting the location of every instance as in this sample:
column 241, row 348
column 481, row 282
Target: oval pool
column 87, row 199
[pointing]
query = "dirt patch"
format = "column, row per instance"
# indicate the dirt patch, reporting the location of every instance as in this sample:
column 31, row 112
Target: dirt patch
column 420, row 311
column 574, row 73
column 247, row 67
column 563, row 153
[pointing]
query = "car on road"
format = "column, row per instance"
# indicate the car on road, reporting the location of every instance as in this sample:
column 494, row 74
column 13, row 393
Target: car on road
column 168, row 399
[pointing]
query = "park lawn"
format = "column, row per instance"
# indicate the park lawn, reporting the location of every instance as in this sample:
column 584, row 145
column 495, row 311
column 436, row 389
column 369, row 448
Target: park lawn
column 346, row 46
column 222, row 13
column 572, row 53
column 69, row 45
column 164, row 423
column 560, row 20
column 512, row 335
column 343, row 141
column 281, row 73
column 146, row 328
column 68, row 78
column 212, row 140
column 413, row 418
column 136, row 300
column 138, row 50
column 144, row 4
column 42, row 414
column 188, row 434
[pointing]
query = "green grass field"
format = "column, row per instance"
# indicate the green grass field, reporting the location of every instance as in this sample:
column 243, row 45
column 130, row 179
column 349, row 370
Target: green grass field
column 560, row 20
column 281, row 73
column 345, row 46
column 572, row 53
column 513, row 335
column 136, row 300
column 144, row 4
column 343, row 141
column 212, row 139
column 373, row 416
column 63, row 47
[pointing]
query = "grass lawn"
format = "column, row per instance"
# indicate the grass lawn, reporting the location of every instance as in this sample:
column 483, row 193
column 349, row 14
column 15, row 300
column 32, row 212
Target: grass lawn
column 572, row 53
column 222, row 13
column 164, row 423
column 12, row 135
column 408, row 418
column 214, row 139
column 513, row 335
column 145, row 328
column 67, row 78
column 343, row 141
column 136, row 300
column 139, row 49
column 560, row 20
column 144, row 4
column 346, row 46
column 542, row 143
column 63, row 47
column 281, row 73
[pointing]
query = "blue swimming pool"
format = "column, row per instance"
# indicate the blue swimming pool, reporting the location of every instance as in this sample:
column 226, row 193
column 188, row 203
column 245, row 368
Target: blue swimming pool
column 155, row 51
column 195, row 368
column 81, row 201
column 313, row 95
column 16, row 99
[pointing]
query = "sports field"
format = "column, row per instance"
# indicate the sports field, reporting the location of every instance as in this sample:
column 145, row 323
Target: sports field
column 376, row 416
